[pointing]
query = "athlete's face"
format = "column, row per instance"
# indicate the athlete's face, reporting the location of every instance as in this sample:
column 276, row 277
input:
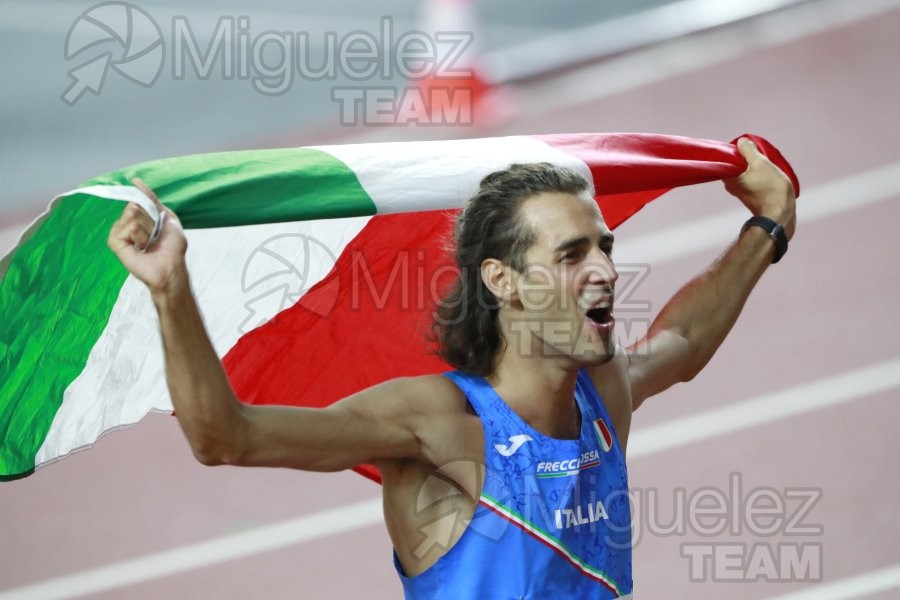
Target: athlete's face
column 566, row 290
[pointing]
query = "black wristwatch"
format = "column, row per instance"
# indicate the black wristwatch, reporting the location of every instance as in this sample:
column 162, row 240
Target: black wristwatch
column 775, row 230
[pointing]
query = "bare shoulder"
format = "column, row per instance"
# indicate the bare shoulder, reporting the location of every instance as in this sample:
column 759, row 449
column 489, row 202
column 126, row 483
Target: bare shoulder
column 423, row 395
column 449, row 428
column 435, row 409
column 436, row 394
column 613, row 383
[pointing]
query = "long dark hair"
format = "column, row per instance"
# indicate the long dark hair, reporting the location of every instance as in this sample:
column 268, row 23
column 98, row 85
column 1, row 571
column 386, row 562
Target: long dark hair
column 466, row 329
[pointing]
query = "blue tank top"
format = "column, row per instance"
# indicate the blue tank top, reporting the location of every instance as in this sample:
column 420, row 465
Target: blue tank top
column 553, row 519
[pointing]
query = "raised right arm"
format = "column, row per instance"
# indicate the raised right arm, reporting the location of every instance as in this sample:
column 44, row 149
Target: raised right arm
column 383, row 422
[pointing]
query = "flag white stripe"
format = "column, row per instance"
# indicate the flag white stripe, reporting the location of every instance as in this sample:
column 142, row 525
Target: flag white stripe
column 240, row 281
column 401, row 176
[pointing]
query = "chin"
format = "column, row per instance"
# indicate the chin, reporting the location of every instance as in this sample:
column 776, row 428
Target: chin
column 597, row 353
column 595, row 346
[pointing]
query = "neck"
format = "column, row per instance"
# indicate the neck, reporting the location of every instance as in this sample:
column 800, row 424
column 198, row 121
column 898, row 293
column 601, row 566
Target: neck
column 541, row 390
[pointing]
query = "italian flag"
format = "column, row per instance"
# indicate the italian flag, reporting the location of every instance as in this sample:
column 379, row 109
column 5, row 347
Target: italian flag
column 316, row 270
column 604, row 437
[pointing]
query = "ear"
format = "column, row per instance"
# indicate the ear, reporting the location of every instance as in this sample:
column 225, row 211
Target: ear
column 499, row 278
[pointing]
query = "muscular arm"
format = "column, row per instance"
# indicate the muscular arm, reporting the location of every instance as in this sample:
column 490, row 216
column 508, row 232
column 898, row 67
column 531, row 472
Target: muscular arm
column 380, row 423
column 695, row 322
column 376, row 424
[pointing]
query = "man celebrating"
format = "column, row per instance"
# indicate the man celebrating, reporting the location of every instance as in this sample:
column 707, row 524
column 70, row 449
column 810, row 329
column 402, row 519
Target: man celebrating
column 541, row 399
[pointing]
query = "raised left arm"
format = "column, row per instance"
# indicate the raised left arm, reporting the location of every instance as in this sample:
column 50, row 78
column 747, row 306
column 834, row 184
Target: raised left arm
column 693, row 324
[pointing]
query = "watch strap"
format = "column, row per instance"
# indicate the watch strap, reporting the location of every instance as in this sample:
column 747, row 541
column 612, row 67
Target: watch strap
column 775, row 231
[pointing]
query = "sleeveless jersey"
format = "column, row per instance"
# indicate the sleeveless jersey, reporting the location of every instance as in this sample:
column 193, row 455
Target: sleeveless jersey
column 553, row 519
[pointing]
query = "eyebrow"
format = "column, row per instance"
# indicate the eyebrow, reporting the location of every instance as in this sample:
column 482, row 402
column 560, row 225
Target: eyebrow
column 606, row 238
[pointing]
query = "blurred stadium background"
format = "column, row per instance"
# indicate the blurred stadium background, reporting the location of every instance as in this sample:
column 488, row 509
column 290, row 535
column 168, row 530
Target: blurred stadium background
column 802, row 395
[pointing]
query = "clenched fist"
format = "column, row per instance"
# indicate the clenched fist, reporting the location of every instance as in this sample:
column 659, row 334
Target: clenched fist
column 763, row 188
column 160, row 267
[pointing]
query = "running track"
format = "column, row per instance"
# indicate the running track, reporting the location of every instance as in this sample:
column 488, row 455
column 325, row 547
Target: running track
column 820, row 326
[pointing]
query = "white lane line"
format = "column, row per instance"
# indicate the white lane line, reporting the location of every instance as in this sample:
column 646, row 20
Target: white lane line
column 857, row 586
column 845, row 194
column 775, row 406
column 854, row 385
column 538, row 56
column 195, row 556
column 690, row 54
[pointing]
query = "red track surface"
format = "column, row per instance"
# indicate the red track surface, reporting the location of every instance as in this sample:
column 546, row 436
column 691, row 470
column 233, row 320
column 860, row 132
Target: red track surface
column 830, row 102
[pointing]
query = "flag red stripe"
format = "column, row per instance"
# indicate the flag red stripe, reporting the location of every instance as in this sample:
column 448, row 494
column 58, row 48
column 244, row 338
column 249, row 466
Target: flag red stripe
column 359, row 326
column 631, row 169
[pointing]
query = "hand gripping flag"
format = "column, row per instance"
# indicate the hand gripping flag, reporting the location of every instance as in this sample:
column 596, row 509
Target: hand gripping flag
column 316, row 270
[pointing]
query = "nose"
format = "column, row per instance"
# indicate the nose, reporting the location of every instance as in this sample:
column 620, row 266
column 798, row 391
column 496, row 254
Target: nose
column 601, row 269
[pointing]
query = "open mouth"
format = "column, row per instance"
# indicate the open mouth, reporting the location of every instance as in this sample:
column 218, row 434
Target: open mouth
column 600, row 315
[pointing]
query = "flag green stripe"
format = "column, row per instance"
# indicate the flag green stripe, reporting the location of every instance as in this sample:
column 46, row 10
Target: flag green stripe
column 57, row 294
column 289, row 184
column 61, row 283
